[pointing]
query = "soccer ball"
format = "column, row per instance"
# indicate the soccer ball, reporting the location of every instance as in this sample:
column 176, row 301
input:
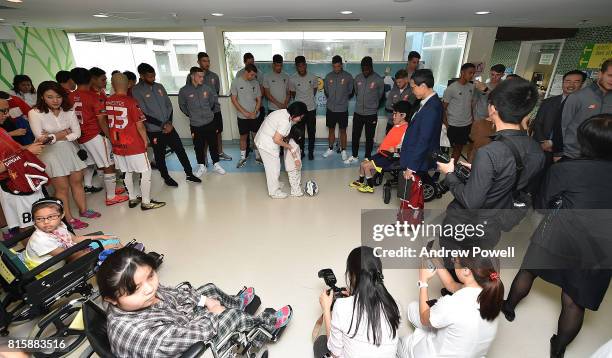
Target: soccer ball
column 311, row 188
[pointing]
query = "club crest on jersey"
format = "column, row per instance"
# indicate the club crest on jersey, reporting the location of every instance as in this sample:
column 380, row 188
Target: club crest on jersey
column 148, row 95
column 191, row 95
column 342, row 81
column 373, row 84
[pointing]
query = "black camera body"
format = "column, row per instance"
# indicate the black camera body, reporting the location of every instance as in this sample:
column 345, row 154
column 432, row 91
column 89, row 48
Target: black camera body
column 461, row 171
column 330, row 280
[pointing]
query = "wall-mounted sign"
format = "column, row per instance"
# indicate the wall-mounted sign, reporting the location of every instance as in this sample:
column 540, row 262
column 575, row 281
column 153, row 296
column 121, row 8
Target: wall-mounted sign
column 594, row 55
column 546, row 58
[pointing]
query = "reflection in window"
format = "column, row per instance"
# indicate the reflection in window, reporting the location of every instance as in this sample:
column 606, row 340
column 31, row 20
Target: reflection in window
column 442, row 52
column 172, row 54
column 315, row 46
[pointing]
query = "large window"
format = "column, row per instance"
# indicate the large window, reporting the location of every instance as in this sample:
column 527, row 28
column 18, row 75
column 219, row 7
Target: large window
column 170, row 53
column 315, row 46
column 442, row 52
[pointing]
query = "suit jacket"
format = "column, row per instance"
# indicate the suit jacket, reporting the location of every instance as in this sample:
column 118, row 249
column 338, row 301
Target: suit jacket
column 422, row 137
column 548, row 114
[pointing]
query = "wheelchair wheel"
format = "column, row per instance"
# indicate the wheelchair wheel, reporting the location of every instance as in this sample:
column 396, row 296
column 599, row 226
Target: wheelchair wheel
column 378, row 179
column 429, row 192
column 56, row 325
column 387, row 194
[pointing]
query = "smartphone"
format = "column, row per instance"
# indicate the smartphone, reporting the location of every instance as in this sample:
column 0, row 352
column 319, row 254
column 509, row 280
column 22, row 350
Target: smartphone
column 48, row 140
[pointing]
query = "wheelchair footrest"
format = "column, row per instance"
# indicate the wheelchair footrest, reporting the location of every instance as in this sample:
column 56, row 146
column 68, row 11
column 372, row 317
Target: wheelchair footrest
column 277, row 333
column 253, row 306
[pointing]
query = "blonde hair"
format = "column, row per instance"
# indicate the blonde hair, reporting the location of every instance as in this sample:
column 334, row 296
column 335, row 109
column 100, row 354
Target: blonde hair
column 119, row 80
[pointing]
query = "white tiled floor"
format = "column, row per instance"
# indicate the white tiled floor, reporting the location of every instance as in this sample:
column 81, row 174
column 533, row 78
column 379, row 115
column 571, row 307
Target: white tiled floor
column 228, row 231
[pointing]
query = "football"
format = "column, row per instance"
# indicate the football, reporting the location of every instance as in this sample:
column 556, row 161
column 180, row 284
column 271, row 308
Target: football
column 311, row 188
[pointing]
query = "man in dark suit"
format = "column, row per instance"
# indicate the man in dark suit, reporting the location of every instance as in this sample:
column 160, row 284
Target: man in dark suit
column 423, row 133
column 547, row 124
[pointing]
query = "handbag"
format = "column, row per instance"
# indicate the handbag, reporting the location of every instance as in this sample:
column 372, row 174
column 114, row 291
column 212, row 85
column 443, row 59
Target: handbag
column 521, row 201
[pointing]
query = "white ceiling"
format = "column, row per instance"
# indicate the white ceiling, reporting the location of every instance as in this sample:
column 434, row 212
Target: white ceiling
column 177, row 14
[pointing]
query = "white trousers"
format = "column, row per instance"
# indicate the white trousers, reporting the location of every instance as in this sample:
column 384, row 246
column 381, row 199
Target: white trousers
column 272, row 166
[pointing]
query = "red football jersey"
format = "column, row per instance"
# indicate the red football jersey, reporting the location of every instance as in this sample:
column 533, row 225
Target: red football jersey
column 8, row 147
column 123, row 114
column 87, row 106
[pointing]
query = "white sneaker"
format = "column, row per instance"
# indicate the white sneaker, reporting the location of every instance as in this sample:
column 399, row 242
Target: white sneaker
column 200, row 171
column 279, row 195
column 297, row 193
column 217, row 168
column 344, row 155
column 328, row 152
column 351, row 160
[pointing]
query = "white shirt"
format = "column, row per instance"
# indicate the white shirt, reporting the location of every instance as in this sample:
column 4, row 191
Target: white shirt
column 277, row 121
column 47, row 122
column 41, row 244
column 461, row 332
column 342, row 345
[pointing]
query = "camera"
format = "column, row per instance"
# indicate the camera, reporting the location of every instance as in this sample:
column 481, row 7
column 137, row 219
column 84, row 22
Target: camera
column 461, row 171
column 330, row 280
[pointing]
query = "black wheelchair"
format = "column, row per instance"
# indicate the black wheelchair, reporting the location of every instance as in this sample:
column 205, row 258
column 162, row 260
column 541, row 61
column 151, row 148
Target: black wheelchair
column 28, row 295
column 430, row 192
column 233, row 345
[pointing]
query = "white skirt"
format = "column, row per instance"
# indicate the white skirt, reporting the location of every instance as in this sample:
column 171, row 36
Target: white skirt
column 61, row 159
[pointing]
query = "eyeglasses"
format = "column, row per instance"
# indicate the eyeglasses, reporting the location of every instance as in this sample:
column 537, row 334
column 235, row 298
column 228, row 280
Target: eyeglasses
column 4, row 110
column 42, row 219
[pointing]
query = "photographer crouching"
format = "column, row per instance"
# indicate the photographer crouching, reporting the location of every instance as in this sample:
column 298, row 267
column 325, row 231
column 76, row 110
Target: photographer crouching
column 364, row 323
column 493, row 193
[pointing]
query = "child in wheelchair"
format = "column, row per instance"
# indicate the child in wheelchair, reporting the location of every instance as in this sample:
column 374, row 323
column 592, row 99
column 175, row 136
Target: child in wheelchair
column 146, row 319
column 52, row 236
column 384, row 158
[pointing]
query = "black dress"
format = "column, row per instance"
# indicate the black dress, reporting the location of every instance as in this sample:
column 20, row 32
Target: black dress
column 572, row 246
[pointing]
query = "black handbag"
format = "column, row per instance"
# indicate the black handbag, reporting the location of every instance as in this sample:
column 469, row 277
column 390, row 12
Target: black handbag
column 521, row 201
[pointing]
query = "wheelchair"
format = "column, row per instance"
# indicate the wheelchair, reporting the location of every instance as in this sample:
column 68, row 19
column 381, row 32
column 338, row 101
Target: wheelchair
column 27, row 296
column 430, row 192
column 233, row 345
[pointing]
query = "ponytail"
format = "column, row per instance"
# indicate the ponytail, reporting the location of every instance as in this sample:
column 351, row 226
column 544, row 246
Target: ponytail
column 492, row 296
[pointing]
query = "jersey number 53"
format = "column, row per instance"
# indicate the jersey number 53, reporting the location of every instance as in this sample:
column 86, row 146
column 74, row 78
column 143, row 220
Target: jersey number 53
column 117, row 117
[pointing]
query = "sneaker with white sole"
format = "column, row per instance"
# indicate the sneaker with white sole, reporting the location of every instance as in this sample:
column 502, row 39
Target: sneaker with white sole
column 344, row 155
column 217, row 168
column 351, row 160
column 279, row 195
column 201, row 170
column 259, row 160
column 241, row 163
column 328, row 152
column 224, row 156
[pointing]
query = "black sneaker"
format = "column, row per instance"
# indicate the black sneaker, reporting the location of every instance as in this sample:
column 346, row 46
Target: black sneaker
column 134, row 203
column 170, row 182
column 311, row 156
column 193, row 178
column 92, row 189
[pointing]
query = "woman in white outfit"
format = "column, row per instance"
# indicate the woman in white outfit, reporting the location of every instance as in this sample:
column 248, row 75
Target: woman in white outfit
column 53, row 117
column 270, row 138
column 363, row 324
column 462, row 324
